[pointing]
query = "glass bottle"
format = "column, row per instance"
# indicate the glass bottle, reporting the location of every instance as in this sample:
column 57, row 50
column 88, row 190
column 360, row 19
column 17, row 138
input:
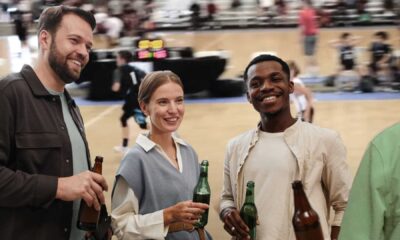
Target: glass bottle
column 88, row 217
column 202, row 193
column 305, row 220
column 248, row 212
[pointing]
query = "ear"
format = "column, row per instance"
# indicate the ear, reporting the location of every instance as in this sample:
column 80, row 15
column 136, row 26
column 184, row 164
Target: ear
column 44, row 40
column 291, row 86
column 248, row 97
column 143, row 107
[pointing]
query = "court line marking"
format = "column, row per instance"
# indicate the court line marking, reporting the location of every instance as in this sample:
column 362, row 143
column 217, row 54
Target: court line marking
column 101, row 115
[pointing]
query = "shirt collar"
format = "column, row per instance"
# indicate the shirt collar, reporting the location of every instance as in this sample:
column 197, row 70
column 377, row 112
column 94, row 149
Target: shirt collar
column 147, row 144
column 288, row 130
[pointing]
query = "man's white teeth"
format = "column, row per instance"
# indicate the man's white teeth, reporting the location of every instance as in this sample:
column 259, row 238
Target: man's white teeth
column 270, row 98
column 77, row 63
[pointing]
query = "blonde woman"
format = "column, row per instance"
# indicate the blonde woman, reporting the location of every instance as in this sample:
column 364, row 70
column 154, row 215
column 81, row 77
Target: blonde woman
column 155, row 182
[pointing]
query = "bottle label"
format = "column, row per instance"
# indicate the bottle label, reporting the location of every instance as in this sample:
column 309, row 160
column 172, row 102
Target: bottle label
column 202, row 198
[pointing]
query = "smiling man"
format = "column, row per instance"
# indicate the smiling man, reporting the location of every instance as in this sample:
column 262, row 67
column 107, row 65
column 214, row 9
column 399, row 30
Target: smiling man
column 44, row 155
column 280, row 150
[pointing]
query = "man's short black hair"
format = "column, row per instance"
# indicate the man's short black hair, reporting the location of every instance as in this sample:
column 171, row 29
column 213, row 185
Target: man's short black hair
column 126, row 55
column 264, row 58
column 345, row 35
column 383, row 35
column 51, row 17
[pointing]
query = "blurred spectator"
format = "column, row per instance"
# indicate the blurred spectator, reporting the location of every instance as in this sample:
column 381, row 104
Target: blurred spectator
column 195, row 8
column 388, row 5
column 381, row 56
column 149, row 6
column 111, row 26
column 281, row 7
column 340, row 12
column 22, row 19
column 236, row 4
column 131, row 22
column 211, row 10
column 346, row 49
column 75, row 3
column 348, row 76
column 126, row 81
column 309, row 35
column 302, row 96
column 364, row 15
column 4, row 4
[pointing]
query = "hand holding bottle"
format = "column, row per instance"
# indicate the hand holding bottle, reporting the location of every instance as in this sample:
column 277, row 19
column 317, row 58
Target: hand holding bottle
column 86, row 185
column 186, row 211
column 234, row 224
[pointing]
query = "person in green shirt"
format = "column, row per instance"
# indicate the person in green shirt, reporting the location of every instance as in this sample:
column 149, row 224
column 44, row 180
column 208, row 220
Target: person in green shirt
column 373, row 211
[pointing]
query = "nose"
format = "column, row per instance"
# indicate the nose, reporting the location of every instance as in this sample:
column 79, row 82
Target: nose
column 82, row 51
column 266, row 85
column 173, row 107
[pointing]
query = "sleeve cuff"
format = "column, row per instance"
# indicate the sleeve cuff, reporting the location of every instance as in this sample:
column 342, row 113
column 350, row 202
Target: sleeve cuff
column 46, row 189
column 337, row 220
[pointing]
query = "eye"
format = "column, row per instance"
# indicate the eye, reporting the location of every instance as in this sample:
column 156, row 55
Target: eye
column 73, row 40
column 276, row 78
column 163, row 102
column 179, row 100
column 254, row 84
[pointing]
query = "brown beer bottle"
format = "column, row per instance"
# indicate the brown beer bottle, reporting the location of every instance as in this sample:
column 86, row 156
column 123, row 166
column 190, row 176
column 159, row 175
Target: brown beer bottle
column 88, row 217
column 305, row 220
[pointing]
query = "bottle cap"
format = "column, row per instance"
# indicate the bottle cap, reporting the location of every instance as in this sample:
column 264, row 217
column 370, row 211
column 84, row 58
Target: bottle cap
column 250, row 184
column 99, row 159
column 297, row 184
column 204, row 162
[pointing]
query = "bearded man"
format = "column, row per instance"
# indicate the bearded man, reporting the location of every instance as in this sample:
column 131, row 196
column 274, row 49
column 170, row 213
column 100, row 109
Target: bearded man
column 44, row 155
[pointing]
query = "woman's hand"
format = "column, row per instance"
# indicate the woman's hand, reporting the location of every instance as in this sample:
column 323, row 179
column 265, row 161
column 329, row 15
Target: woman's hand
column 187, row 211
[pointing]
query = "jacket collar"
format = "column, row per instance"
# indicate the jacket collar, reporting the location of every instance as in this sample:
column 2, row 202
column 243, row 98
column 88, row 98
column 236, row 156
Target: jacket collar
column 33, row 81
column 37, row 87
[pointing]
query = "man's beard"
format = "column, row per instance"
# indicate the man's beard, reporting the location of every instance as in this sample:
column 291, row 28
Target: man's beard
column 60, row 66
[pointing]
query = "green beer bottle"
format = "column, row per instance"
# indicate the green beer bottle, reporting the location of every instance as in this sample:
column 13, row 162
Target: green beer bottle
column 248, row 212
column 202, row 193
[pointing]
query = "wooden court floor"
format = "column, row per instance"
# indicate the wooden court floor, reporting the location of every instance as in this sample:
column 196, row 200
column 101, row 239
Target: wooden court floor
column 208, row 127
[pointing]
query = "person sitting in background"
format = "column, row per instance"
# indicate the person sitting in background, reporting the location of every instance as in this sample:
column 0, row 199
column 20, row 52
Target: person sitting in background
column 155, row 181
column 348, row 76
column 301, row 96
column 374, row 204
column 126, row 81
column 381, row 55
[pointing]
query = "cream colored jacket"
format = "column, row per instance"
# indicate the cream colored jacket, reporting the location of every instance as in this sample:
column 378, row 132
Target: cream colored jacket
column 321, row 160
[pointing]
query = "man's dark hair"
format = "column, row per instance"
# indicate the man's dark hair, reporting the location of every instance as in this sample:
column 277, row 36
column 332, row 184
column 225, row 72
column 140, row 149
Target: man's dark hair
column 383, row 35
column 126, row 55
column 265, row 58
column 51, row 17
column 345, row 35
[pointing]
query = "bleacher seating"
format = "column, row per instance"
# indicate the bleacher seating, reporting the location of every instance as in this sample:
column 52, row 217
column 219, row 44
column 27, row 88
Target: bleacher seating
column 249, row 15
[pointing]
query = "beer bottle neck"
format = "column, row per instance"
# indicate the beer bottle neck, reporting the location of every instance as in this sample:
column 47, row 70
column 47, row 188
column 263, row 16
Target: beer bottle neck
column 300, row 198
column 203, row 174
column 97, row 168
column 249, row 195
